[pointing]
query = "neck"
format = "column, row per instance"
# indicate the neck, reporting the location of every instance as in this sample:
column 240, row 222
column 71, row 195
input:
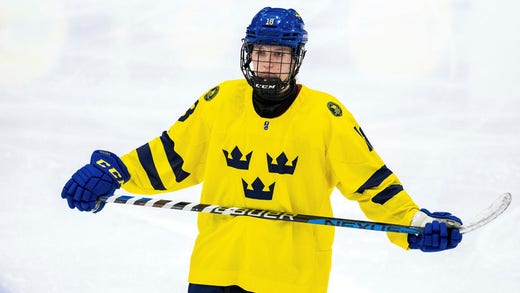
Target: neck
column 271, row 105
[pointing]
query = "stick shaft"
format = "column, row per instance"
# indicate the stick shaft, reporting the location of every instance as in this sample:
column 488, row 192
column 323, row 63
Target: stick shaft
column 260, row 213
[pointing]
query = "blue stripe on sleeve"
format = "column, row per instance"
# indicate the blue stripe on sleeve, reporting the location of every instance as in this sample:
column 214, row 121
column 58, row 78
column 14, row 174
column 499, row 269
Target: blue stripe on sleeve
column 377, row 178
column 174, row 158
column 145, row 158
column 387, row 193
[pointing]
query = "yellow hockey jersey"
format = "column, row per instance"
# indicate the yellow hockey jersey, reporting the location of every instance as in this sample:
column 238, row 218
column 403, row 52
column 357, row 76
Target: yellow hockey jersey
column 289, row 163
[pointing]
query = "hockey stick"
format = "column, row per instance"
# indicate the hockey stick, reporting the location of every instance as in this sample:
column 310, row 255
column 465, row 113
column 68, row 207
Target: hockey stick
column 486, row 216
column 259, row 213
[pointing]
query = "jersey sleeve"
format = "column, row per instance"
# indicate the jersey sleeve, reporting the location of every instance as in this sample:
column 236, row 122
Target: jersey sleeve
column 361, row 175
column 176, row 158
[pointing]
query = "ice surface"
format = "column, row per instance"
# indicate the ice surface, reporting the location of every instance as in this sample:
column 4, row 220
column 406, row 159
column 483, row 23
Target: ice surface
column 435, row 85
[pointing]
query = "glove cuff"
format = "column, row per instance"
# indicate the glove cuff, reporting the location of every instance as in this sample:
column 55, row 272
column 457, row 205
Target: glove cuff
column 422, row 217
column 110, row 163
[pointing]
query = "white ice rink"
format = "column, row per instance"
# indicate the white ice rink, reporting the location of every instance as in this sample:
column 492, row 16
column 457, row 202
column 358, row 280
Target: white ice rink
column 435, row 85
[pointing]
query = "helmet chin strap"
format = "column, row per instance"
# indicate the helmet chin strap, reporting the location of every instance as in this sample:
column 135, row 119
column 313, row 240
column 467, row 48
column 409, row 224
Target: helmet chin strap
column 268, row 84
column 271, row 86
column 273, row 89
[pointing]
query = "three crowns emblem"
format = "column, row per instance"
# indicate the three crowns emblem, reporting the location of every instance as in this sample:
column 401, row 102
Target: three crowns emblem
column 281, row 165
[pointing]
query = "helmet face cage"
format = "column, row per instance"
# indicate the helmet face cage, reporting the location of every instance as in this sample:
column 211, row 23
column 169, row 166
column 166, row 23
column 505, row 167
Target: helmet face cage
column 270, row 69
column 273, row 49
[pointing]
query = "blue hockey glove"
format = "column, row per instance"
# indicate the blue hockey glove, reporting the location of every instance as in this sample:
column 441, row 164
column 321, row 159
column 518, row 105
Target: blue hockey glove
column 105, row 173
column 441, row 231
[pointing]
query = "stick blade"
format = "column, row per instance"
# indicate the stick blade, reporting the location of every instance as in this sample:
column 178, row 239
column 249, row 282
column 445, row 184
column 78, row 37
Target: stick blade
column 489, row 214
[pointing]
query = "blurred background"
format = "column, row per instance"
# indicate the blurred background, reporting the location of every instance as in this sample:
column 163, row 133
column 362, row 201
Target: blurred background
column 435, row 85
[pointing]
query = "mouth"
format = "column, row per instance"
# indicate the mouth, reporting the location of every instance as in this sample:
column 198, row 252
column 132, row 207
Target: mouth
column 267, row 75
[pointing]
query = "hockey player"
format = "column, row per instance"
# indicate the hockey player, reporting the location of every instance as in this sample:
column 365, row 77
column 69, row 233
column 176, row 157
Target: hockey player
column 265, row 142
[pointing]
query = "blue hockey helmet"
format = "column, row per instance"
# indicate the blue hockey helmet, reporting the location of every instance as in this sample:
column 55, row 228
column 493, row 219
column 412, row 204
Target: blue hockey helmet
column 273, row 27
column 277, row 26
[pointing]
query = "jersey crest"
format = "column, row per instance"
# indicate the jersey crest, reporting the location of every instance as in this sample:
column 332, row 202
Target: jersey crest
column 211, row 93
column 335, row 109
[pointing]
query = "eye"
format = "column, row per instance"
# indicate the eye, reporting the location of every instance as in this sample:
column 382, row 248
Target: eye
column 260, row 53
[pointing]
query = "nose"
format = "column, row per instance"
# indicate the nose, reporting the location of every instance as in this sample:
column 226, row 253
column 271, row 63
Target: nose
column 265, row 64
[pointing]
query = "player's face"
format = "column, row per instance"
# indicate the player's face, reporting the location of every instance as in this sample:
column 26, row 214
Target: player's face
column 272, row 61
